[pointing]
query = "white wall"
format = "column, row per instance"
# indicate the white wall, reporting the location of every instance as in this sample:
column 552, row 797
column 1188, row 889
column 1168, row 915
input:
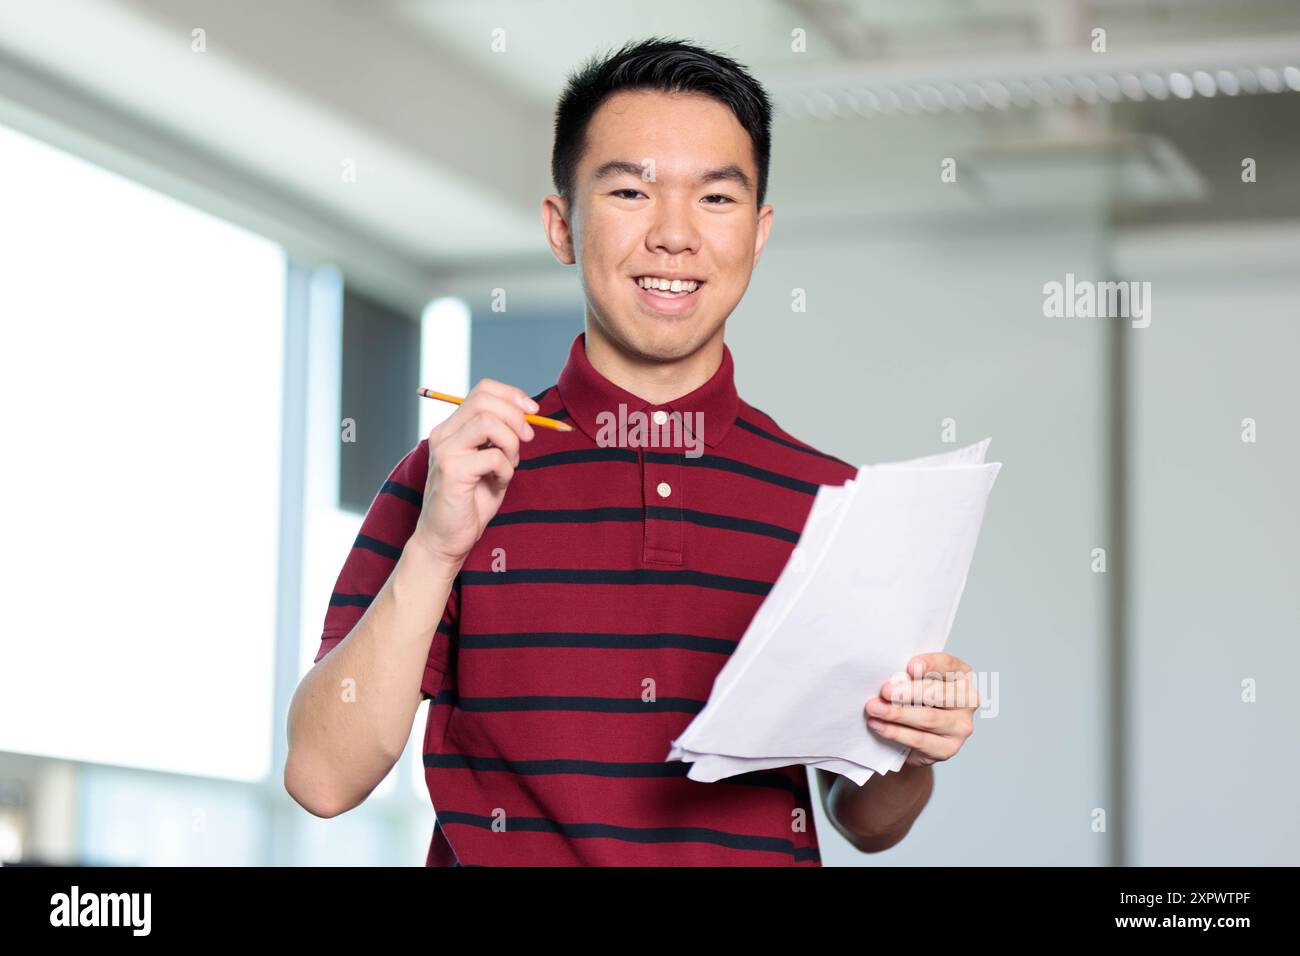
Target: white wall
column 1216, row 572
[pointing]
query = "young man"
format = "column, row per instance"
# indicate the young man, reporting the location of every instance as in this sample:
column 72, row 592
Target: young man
column 565, row 599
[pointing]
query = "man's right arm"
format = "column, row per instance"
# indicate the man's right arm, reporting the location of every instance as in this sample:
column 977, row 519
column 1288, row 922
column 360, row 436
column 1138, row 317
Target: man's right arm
column 351, row 715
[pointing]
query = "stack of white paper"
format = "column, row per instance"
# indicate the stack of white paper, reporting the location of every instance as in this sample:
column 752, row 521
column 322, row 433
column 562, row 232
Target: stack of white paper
column 875, row 579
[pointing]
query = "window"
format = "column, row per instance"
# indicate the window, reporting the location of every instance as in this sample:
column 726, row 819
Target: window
column 141, row 374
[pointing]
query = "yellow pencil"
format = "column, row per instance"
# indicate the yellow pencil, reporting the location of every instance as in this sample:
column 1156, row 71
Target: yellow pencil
column 541, row 420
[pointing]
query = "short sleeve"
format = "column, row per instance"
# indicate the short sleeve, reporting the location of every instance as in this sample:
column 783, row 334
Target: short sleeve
column 389, row 522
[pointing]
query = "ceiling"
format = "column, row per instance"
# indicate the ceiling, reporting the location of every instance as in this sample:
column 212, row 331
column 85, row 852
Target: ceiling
column 443, row 107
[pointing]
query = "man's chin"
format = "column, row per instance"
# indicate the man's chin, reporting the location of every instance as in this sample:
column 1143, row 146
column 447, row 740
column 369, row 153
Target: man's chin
column 656, row 338
column 663, row 341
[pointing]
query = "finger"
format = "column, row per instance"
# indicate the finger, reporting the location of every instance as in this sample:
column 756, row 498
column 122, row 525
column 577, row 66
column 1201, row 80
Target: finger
column 931, row 692
column 490, row 461
column 937, row 664
column 508, row 393
column 932, row 745
column 505, row 410
column 934, row 719
column 478, row 430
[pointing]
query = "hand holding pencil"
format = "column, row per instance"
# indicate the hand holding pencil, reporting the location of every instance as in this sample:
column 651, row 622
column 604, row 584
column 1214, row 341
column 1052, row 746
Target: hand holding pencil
column 472, row 457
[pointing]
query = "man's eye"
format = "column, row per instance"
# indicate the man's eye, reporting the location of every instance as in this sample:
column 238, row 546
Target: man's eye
column 634, row 192
column 725, row 199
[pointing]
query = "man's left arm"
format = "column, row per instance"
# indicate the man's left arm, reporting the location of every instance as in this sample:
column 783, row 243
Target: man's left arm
column 933, row 713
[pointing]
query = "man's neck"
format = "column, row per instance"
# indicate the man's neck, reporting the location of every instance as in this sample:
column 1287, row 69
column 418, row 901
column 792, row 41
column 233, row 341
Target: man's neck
column 656, row 382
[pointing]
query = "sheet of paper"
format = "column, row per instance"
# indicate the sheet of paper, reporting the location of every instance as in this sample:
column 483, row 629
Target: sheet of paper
column 875, row 578
column 820, row 523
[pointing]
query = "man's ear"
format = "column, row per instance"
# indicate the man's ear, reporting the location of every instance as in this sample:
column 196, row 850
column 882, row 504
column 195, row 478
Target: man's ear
column 765, row 214
column 559, row 230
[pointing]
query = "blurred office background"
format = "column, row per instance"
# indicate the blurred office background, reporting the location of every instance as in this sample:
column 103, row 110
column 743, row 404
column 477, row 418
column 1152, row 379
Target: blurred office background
column 234, row 236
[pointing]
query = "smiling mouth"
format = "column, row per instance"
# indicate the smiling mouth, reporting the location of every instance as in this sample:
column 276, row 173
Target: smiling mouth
column 664, row 288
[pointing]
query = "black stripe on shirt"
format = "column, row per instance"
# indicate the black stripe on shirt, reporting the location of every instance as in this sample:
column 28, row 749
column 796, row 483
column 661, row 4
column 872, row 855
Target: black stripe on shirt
column 577, row 456
column 599, row 768
column 735, row 841
column 764, row 433
column 587, row 705
column 736, row 468
column 689, row 642
column 398, row 490
column 593, row 515
column 367, row 543
column 587, row 456
column 638, row 576
column 726, row 522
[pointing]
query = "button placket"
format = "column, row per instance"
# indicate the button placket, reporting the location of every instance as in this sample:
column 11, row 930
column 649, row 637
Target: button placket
column 662, row 490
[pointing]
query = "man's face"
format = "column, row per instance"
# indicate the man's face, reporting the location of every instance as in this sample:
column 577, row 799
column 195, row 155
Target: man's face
column 661, row 191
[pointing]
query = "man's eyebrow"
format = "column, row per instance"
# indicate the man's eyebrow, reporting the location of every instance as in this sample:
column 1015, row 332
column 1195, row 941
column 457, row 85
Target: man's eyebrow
column 618, row 167
column 729, row 173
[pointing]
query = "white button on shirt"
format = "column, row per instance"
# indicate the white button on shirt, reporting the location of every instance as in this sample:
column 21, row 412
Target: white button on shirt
column 660, row 417
column 664, row 489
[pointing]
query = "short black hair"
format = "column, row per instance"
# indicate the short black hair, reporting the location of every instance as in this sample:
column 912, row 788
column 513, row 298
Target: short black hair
column 667, row 66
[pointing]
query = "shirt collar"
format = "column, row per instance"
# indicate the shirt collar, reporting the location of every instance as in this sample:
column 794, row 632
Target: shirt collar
column 586, row 394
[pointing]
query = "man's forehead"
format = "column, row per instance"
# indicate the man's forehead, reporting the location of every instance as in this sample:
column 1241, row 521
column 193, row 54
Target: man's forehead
column 626, row 135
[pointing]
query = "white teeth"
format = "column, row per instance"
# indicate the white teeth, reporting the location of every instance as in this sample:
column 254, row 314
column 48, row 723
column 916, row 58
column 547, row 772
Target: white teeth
column 667, row 285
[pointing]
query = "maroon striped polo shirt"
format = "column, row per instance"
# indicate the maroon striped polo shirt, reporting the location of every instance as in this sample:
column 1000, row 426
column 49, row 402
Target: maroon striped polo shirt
column 585, row 629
